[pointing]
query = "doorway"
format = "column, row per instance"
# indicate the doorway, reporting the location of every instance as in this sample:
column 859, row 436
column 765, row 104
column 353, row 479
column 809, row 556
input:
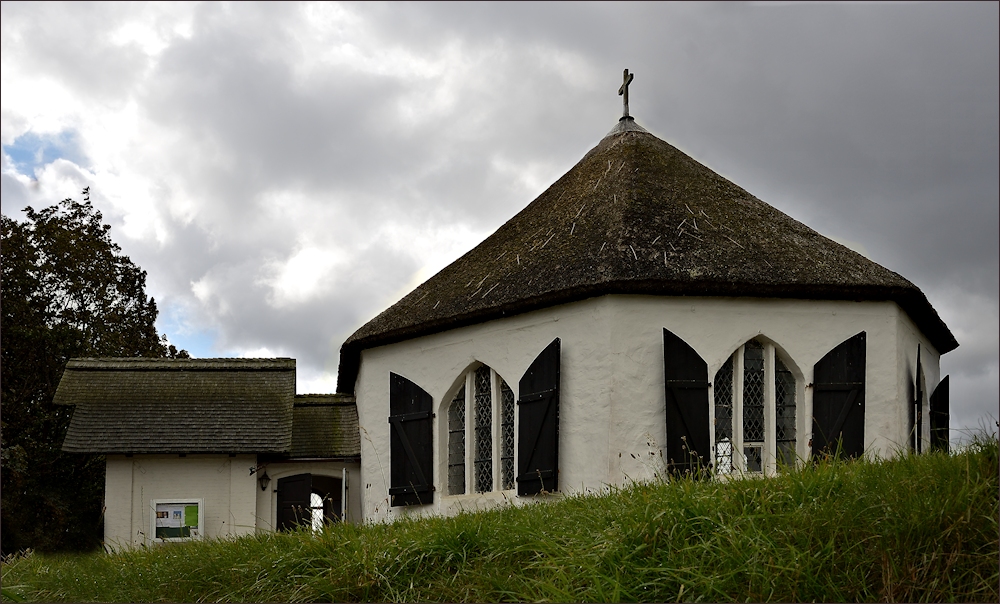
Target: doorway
column 310, row 500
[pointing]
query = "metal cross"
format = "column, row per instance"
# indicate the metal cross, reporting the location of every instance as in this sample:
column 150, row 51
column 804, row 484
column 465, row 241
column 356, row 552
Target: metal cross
column 623, row 91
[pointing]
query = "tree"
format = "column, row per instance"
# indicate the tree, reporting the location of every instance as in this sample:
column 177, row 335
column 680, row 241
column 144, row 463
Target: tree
column 67, row 291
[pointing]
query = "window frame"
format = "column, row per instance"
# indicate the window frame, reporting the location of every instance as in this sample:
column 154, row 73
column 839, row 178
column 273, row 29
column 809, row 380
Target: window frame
column 468, row 383
column 181, row 501
column 769, row 446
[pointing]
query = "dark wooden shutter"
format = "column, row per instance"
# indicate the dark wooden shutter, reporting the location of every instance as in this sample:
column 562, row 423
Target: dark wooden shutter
column 538, row 424
column 839, row 399
column 939, row 417
column 918, row 404
column 911, row 413
column 293, row 501
column 685, row 377
column 412, row 464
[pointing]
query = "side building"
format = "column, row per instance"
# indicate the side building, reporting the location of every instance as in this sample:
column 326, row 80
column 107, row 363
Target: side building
column 211, row 448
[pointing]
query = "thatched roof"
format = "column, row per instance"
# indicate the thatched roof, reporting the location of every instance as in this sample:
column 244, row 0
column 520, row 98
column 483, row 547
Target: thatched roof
column 178, row 405
column 638, row 216
column 324, row 426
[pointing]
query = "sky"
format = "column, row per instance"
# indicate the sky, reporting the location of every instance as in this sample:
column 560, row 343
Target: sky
column 284, row 172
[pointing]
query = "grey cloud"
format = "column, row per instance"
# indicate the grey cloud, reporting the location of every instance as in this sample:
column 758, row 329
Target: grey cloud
column 68, row 41
column 335, row 136
column 874, row 123
column 13, row 195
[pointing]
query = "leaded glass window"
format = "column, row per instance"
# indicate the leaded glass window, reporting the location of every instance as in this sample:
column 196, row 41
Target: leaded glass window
column 784, row 412
column 724, row 418
column 753, row 392
column 750, row 417
column 484, row 430
column 487, row 462
column 456, row 444
column 506, row 436
column 316, row 511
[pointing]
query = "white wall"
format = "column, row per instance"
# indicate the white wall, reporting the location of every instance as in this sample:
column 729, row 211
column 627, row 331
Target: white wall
column 224, row 484
column 612, row 418
column 267, row 500
column 908, row 337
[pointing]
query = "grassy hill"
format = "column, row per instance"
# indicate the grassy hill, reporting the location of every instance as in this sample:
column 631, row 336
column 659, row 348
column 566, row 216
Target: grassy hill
column 918, row 528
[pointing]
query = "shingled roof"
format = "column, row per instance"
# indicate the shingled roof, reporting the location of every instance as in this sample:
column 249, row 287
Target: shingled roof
column 638, row 216
column 178, row 405
column 324, row 426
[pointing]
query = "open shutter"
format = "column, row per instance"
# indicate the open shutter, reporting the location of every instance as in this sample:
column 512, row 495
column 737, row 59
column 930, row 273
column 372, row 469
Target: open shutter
column 685, row 377
column 839, row 399
column 911, row 414
column 412, row 458
column 939, row 417
column 538, row 424
column 293, row 501
column 916, row 440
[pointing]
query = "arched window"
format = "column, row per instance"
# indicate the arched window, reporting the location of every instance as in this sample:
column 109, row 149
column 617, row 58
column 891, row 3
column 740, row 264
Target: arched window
column 754, row 411
column 488, row 401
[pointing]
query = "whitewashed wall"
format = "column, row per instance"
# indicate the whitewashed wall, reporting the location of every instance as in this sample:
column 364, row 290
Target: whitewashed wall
column 267, row 500
column 612, row 417
column 224, row 484
column 908, row 337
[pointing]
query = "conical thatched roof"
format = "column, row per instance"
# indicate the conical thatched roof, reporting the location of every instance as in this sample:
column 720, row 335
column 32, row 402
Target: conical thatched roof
column 638, row 216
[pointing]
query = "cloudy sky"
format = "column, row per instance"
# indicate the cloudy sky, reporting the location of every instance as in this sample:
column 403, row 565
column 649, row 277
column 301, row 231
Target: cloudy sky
column 285, row 172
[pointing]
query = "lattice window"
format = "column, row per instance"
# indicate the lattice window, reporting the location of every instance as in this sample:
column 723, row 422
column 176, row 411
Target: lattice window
column 753, row 392
column 316, row 511
column 506, row 436
column 484, row 429
column 748, row 415
column 456, row 444
column 724, row 418
column 488, row 403
column 784, row 413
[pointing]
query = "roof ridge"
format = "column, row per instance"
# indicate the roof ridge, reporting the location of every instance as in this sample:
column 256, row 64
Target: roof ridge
column 165, row 364
column 187, row 360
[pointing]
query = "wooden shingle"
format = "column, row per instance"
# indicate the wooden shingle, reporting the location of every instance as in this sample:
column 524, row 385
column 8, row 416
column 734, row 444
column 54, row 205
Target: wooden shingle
column 178, row 405
column 325, row 426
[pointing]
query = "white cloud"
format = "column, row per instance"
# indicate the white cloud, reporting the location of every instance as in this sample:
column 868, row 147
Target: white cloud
column 285, row 171
column 432, row 247
column 262, row 352
column 210, row 296
column 307, row 274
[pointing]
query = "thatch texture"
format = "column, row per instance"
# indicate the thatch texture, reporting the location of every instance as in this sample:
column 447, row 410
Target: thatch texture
column 178, row 405
column 638, row 216
column 325, row 426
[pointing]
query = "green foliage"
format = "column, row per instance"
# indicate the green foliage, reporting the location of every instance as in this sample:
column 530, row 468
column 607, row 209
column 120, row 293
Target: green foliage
column 917, row 528
column 67, row 292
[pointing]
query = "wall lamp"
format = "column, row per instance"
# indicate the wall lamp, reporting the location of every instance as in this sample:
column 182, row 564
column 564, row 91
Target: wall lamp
column 263, row 480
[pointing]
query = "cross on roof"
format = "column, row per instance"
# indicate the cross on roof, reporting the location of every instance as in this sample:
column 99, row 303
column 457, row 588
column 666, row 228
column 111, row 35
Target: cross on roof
column 623, row 91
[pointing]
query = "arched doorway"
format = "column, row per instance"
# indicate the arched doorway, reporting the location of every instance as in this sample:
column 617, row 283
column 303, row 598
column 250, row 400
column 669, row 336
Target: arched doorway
column 308, row 499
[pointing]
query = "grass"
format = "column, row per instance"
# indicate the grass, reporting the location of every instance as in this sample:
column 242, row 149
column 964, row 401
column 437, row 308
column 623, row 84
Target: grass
column 917, row 528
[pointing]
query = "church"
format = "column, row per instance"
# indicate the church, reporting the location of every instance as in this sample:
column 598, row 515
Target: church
column 643, row 317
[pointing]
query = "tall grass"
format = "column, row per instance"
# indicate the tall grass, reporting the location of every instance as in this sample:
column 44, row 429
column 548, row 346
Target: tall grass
column 918, row 528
